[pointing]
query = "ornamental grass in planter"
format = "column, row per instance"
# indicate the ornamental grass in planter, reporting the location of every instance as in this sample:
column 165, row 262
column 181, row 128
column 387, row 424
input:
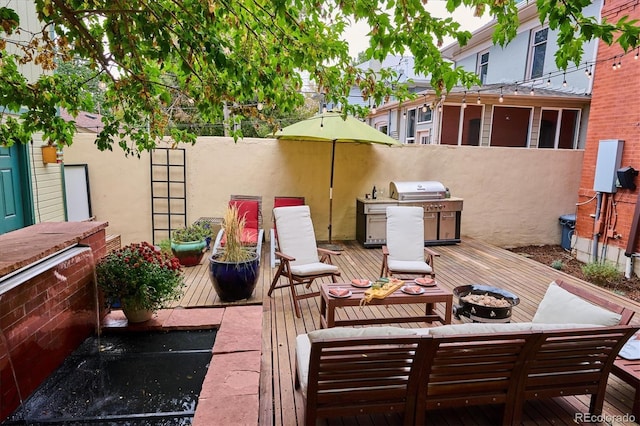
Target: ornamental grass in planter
column 233, row 271
column 141, row 278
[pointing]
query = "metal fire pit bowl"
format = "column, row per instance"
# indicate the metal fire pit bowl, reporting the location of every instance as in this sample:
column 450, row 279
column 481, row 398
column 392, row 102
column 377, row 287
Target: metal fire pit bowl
column 481, row 313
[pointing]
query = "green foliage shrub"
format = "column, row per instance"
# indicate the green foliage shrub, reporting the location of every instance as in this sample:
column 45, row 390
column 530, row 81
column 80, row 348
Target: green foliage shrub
column 557, row 264
column 601, row 273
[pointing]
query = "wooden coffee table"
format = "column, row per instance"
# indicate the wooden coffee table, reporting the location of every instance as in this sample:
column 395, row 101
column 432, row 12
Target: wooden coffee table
column 431, row 296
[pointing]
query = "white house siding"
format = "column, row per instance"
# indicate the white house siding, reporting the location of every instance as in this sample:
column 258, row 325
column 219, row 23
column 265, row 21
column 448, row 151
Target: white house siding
column 510, row 64
column 28, row 19
column 46, row 186
column 46, row 180
column 506, row 64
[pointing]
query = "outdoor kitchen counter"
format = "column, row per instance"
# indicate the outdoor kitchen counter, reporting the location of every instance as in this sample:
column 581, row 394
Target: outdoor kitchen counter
column 442, row 219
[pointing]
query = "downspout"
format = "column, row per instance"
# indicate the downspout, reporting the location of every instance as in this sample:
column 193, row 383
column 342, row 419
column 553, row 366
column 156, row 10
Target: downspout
column 633, row 238
column 596, row 228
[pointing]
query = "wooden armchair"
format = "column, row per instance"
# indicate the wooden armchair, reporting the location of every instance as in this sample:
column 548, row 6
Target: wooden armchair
column 301, row 261
column 405, row 252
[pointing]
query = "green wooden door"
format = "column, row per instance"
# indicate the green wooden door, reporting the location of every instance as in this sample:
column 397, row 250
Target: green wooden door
column 12, row 214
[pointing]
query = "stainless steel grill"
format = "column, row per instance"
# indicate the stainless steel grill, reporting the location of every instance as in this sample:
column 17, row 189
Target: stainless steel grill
column 442, row 213
column 417, row 190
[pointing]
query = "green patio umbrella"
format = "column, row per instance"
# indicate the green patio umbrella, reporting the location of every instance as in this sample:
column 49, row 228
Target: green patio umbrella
column 333, row 127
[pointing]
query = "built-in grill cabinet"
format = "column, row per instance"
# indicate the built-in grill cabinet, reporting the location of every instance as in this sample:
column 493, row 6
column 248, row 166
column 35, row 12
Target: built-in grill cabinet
column 441, row 215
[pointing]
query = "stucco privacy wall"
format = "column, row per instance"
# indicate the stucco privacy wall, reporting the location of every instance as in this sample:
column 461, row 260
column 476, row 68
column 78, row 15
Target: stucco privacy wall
column 511, row 196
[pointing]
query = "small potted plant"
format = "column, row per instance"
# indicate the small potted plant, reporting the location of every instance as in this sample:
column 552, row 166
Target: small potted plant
column 141, row 278
column 233, row 271
column 188, row 244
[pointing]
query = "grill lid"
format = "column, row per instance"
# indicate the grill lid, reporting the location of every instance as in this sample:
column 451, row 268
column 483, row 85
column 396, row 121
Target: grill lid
column 417, row 190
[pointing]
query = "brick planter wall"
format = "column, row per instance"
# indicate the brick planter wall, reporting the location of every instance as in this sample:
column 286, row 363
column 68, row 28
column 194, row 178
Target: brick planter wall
column 45, row 318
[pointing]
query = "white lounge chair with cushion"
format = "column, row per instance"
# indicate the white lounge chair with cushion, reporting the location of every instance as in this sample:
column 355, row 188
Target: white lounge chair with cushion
column 405, row 253
column 301, row 261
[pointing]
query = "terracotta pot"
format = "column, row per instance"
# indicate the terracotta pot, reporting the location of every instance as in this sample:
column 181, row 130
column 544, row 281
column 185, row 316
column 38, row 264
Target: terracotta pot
column 137, row 315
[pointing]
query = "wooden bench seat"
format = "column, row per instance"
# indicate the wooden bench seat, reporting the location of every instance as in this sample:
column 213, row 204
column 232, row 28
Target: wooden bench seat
column 349, row 376
column 627, row 370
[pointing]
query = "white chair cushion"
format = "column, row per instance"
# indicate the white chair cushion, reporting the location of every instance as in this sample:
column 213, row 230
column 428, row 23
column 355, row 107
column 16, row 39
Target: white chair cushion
column 409, row 266
column 558, row 306
column 493, row 328
column 296, row 237
column 313, row 269
column 405, row 233
column 303, row 343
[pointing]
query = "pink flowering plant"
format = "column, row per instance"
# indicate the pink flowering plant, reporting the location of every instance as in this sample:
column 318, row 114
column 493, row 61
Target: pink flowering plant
column 140, row 276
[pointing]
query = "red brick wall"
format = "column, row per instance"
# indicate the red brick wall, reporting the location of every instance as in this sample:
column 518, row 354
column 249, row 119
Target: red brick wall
column 43, row 320
column 615, row 114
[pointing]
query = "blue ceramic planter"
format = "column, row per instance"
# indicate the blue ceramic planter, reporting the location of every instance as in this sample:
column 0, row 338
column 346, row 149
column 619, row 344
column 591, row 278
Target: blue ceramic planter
column 233, row 281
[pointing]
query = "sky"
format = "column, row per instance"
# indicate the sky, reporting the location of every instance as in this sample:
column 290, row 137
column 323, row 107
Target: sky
column 356, row 34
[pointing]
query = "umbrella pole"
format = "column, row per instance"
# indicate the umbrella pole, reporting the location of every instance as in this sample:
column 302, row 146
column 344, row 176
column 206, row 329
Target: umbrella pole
column 333, row 157
column 329, row 245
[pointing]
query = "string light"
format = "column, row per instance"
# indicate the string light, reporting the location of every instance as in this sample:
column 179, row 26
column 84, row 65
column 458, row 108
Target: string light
column 260, row 106
column 374, row 109
column 324, row 108
column 404, row 115
column 586, row 67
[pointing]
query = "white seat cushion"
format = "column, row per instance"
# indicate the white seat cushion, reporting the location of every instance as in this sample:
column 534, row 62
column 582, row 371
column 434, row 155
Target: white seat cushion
column 296, row 237
column 303, row 343
column 313, row 269
column 558, row 306
column 493, row 328
column 409, row 266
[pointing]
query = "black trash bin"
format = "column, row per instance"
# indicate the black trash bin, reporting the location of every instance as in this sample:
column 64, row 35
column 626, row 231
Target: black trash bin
column 568, row 223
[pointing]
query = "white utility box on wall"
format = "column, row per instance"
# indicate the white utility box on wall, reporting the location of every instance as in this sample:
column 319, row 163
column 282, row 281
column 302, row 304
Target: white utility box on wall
column 607, row 164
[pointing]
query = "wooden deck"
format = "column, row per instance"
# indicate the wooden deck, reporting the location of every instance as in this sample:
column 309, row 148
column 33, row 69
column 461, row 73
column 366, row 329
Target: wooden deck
column 465, row 263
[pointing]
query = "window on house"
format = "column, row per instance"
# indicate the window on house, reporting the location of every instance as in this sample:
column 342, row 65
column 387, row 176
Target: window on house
column 471, row 125
column 461, row 126
column 382, row 127
column 483, row 66
column 424, row 136
column 424, row 114
column 537, row 52
column 510, row 127
column 450, row 124
column 558, row 128
column 411, row 126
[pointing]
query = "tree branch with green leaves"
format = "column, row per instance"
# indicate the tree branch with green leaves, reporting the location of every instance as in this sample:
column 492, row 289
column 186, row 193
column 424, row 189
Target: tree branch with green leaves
column 153, row 56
